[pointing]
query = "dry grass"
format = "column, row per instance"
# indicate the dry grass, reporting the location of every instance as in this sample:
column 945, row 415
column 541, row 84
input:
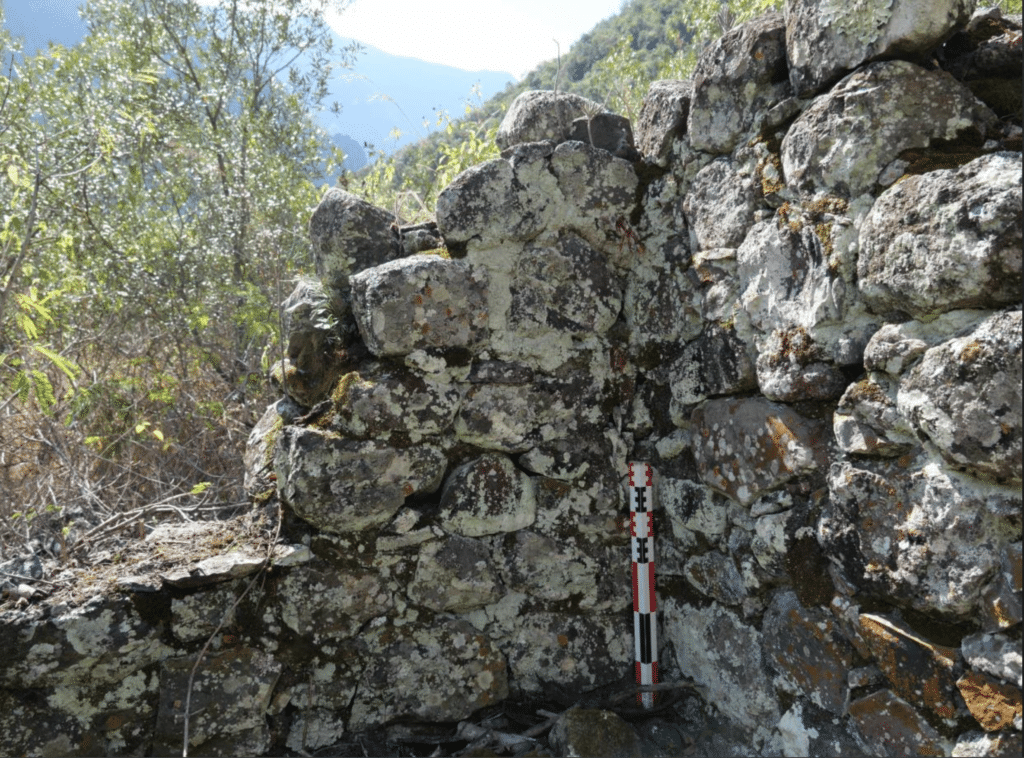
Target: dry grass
column 137, row 437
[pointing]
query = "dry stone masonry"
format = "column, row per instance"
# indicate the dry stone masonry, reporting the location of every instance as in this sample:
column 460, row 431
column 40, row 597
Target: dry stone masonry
column 793, row 287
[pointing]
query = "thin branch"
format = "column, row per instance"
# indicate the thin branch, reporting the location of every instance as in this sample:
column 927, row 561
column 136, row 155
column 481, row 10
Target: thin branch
column 25, row 243
column 28, row 578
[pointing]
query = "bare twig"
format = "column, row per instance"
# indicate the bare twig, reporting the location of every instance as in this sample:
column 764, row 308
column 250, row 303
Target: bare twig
column 121, row 520
column 28, row 578
column 559, row 69
column 538, row 729
column 659, row 687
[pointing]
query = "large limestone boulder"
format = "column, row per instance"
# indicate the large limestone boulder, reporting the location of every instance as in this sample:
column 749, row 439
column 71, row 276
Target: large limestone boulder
column 662, row 118
column 540, row 115
column 487, row 205
column 913, row 530
column 573, row 186
column 455, row 575
column 720, row 205
column 349, row 234
column 724, row 655
column 965, row 396
column 382, row 401
column 564, row 286
column 486, row 496
column 748, row 446
column 441, row 671
column 599, row 191
column 341, row 485
column 808, row 650
column 738, row 78
column 796, row 280
column 842, row 142
column 584, row 649
column 420, row 302
column 827, row 38
column 945, row 240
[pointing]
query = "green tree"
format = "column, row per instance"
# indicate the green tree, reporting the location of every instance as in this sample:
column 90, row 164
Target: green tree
column 156, row 182
column 220, row 167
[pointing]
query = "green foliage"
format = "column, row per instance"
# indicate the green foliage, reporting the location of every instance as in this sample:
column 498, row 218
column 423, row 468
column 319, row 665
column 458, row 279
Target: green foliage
column 156, row 182
column 167, row 166
column 407, row 184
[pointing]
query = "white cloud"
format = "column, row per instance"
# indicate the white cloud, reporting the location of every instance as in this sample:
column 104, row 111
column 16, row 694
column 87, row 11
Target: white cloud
column 497, row 35
column 474, row 35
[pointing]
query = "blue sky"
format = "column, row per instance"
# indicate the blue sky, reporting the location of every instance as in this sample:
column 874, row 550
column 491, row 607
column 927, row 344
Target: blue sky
column 475, row 35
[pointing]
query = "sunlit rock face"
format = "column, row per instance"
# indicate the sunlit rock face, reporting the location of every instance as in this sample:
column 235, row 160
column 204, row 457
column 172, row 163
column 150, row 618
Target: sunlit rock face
column 797, row 295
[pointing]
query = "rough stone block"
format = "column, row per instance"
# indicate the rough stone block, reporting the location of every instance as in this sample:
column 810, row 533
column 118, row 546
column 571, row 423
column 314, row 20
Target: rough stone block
column 488, row 496
column 945, row 240
column 737, row 76
column 745, row 447
column 349, row 235
column 541, row 115
column 965, row 397
column 842, row 141
column 827, row 38
column 663, row 117
column 916, row 531
column 810, row 653
column 342, row 485
column 420, row 302
column 891, row 726
column 436, row 672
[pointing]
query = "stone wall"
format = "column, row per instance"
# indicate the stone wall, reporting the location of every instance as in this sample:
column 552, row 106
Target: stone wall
column 796, row 293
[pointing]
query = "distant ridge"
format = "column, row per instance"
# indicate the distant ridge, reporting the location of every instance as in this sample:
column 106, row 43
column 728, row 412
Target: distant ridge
column 381, row 93
column 355, row 156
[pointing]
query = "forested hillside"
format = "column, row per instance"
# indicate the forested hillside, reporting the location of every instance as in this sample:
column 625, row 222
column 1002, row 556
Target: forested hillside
column 613, row 64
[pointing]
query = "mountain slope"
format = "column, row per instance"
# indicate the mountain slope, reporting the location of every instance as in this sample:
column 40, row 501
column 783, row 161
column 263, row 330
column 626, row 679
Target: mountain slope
column 382, row 93
column 649, row 35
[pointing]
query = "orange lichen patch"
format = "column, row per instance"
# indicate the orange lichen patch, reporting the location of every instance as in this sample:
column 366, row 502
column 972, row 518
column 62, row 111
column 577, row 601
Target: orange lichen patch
column 866, row 390
column 563, row 641
column 993, row 703
column 893, row 727
column 768, row 443
column 780, row 434
column 971, row 352
column 919, row 671
column 555, row 486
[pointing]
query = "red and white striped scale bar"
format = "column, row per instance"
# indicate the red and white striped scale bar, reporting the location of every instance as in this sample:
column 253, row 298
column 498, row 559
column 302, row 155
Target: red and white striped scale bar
column 641, row 529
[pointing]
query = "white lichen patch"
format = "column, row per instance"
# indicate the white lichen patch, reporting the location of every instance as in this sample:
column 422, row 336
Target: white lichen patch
column 859, row 19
